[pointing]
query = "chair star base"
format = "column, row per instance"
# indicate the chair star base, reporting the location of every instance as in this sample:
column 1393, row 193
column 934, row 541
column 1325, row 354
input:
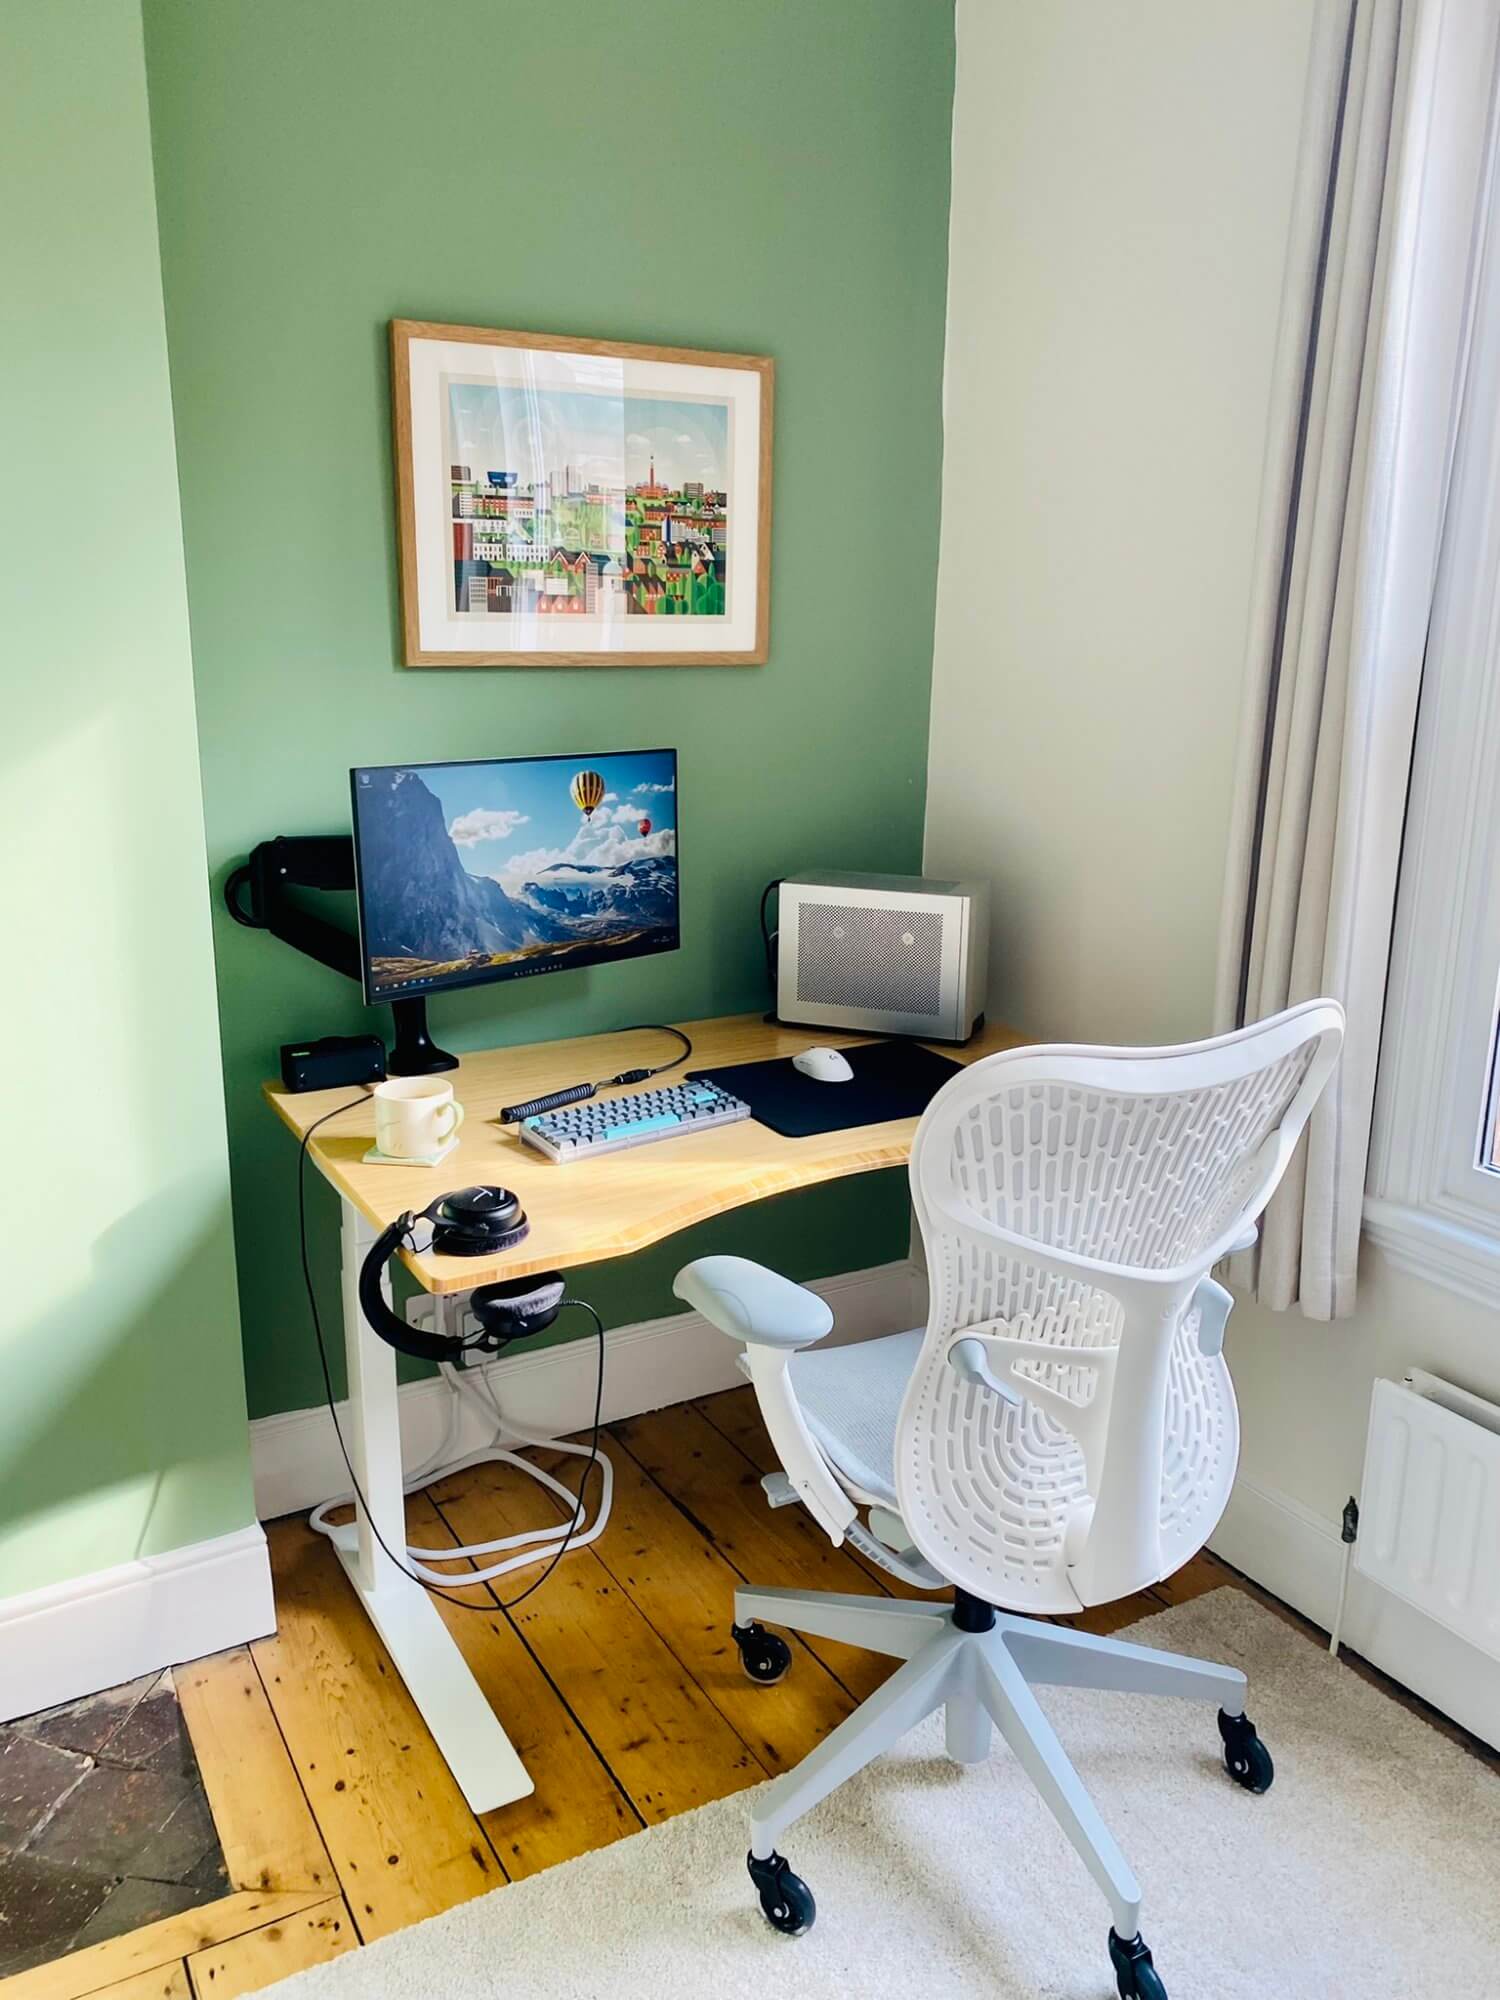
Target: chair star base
column 983, row 1680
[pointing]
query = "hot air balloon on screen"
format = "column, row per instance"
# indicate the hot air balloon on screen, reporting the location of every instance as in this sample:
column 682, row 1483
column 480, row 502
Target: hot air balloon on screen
column 645, row 828
column 587, row 789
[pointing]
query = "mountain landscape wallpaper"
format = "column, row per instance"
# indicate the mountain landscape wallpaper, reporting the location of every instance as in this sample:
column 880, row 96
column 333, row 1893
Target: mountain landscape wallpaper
column 477, row 870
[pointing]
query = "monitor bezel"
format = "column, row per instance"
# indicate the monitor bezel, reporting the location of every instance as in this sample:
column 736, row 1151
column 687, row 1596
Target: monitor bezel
column 576, row 961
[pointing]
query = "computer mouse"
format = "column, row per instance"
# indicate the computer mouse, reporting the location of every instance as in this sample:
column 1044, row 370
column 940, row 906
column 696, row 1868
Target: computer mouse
column 823, row 1066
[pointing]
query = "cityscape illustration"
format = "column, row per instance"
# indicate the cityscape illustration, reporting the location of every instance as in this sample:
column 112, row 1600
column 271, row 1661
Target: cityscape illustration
column 585, row 539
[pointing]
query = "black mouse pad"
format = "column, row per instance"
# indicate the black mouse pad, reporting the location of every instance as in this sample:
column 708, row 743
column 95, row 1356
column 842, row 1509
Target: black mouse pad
column 890, row 1080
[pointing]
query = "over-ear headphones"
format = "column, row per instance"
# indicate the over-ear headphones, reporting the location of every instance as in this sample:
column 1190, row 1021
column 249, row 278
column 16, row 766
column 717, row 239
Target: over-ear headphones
column 470, row 1222
column 476, row 1221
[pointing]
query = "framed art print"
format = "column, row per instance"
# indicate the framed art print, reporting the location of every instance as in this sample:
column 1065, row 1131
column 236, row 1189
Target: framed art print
column 580, row 502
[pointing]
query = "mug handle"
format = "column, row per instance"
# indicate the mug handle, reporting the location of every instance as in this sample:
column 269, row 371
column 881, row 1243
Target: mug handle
column 454, row 1122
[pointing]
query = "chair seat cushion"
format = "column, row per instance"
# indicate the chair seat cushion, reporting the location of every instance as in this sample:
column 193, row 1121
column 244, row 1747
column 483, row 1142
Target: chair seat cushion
column 851, row 1397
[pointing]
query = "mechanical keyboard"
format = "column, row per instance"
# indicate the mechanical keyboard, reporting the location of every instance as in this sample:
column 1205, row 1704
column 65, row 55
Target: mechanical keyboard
column 608, row 1126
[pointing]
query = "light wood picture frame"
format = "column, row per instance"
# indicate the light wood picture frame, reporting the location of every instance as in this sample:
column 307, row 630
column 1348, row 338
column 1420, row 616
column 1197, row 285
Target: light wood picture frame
column 580, row 503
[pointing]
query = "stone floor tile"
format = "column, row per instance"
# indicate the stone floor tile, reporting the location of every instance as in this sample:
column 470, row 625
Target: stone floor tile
column 173, row 1852
column 154, row 1736
column 33, row 1778
column 211, row 1872
column 87, row 1725
column 43, row 1906
column 104, row 1825
column 110, row 1817
column 133, row 1902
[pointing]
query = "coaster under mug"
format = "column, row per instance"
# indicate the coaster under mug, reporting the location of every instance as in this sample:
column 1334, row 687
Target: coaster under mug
column 375, row 1158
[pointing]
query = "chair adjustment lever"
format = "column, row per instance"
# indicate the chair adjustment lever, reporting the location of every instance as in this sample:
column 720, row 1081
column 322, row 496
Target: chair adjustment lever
column 1214, row 1305
column 968, row 1357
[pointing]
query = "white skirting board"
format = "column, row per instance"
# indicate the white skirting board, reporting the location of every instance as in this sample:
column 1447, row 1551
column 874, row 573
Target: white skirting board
column 656, row 1362
column 1297, row 1555
column 94, row 1632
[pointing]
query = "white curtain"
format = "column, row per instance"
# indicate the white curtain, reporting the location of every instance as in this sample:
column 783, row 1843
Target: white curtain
column 1395, row 150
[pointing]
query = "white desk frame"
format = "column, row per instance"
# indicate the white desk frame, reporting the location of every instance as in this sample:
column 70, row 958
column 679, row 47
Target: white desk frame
column 722, row 1169
column 449, row 1699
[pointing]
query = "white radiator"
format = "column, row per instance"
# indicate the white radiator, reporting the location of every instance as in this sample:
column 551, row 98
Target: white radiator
column 1429, row 1515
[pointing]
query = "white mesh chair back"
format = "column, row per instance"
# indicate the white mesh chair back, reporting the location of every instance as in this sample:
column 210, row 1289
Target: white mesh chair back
column 1072, row 1202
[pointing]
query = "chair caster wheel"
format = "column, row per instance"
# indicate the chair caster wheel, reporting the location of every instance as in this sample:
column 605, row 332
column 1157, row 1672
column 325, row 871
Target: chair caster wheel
column 765, row 1656
column 1136, row 1978
column 786, row 1901
column 1246, row 1758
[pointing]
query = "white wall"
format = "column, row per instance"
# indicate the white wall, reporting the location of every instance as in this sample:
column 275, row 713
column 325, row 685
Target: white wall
column 1122, row 183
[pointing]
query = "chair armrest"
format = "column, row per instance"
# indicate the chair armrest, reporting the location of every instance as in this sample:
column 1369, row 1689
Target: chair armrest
column 752, row 1304
column 773, row 1317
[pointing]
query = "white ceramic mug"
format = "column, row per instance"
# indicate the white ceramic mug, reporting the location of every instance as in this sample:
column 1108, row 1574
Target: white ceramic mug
column 415, row 1116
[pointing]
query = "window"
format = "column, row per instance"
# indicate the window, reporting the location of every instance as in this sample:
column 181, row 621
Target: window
column 1434, row 1187
column 1489, row 1144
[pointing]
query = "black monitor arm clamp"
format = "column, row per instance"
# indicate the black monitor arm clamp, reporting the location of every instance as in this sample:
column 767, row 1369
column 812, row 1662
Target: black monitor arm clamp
column 257, row 894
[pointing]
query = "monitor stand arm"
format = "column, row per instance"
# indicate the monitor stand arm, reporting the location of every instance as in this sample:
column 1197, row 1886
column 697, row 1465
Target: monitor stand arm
column 325, row 862
column 414, row 1053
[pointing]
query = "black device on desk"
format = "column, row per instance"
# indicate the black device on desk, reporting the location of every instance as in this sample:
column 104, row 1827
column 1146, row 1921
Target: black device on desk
column 332, row 1063
column 471, row 872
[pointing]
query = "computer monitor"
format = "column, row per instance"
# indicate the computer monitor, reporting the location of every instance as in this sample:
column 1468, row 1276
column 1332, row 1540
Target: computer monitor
column 504, row 868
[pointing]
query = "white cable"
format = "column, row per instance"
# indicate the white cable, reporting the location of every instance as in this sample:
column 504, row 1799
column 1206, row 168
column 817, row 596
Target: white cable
column 445, row 1450
column 461, row 1384
column 1338, row 1616
column 439, row 1464
column 545, row 1536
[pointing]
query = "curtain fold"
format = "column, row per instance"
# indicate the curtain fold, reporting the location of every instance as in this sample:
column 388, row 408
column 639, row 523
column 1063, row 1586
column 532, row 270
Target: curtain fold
column 1369, row 367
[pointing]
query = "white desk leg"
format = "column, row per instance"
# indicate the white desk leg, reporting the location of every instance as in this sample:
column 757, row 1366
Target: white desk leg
column 464, row 1727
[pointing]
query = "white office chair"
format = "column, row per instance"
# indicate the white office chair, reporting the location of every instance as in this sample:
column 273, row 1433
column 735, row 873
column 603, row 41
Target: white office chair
column 1062, row 1434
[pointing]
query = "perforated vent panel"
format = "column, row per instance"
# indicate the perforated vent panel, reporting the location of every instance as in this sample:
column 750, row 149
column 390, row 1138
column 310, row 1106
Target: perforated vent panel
column 887, row 960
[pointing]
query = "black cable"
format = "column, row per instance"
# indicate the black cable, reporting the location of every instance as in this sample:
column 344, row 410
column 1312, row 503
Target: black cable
column 580, row 1093
column 769, row 937
column 235, row 881
column 463, row 1603
column 640, row 1075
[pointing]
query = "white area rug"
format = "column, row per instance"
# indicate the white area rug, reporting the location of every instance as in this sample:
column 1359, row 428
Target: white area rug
column 1370, row 1870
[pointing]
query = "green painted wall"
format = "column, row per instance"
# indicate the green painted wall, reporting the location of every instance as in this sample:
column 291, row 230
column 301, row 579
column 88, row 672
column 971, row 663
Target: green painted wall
column 768, row 177
column 122, row 1424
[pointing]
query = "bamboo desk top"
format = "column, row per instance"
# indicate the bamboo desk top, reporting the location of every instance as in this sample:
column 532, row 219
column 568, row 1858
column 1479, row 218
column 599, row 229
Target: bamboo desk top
column 593, row 1209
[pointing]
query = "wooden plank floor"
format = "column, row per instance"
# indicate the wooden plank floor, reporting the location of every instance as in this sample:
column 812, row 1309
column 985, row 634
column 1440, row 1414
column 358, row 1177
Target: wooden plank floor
column 617, row 1681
